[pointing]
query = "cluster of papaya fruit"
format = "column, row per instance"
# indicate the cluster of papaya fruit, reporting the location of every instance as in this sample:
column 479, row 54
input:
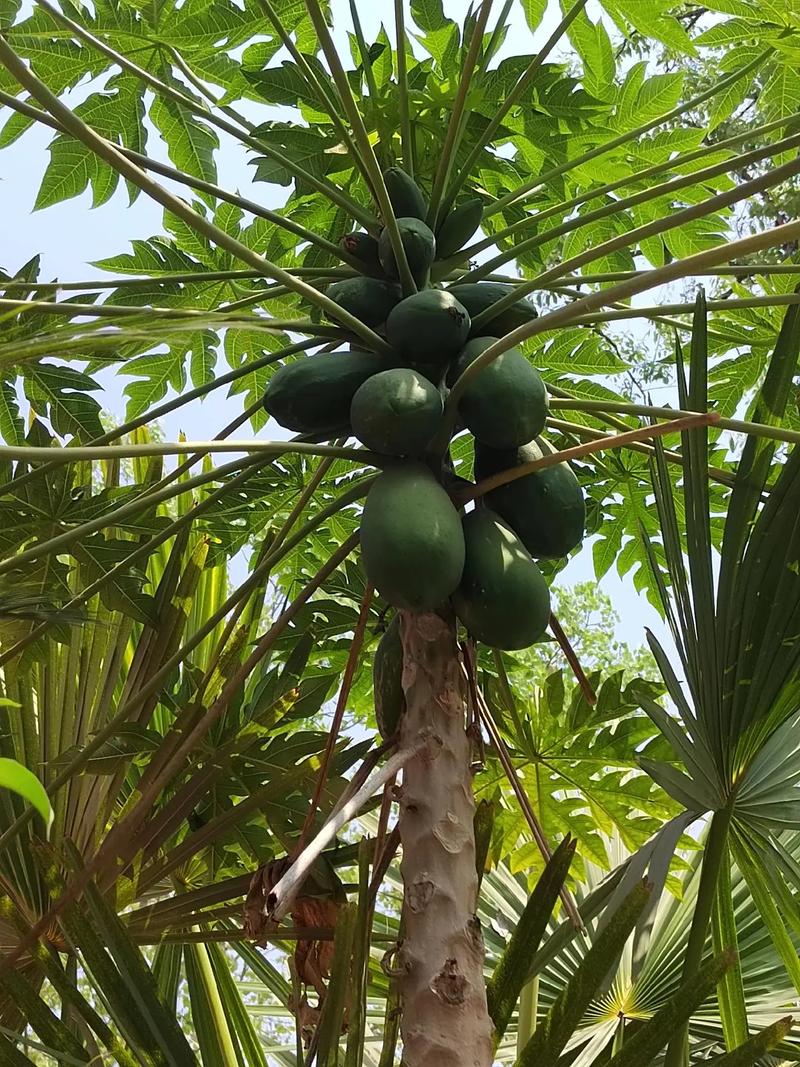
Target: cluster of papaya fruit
column 417, row 550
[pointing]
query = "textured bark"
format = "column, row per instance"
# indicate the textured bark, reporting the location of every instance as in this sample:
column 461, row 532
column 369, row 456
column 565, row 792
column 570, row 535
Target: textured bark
column 445, row 1022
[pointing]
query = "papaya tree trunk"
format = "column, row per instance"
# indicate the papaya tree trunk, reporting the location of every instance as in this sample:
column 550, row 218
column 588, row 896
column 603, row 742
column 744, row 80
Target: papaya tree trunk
column 445, row 1022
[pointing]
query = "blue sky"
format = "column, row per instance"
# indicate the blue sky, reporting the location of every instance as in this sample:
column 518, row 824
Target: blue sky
column 71, row 235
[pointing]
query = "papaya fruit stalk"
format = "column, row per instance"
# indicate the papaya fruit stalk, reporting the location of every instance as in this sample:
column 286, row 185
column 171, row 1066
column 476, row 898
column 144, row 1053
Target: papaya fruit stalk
column 445, row 1019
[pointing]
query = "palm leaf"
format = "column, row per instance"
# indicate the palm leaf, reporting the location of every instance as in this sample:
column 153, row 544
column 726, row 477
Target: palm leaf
column 552, row 1035
column 511, row 972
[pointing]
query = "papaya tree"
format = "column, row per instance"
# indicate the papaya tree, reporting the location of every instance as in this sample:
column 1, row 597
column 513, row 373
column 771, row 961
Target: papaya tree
column 468, row 220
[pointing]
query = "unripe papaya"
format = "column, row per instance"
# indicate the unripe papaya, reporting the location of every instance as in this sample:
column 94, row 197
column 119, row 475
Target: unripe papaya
column 368, row 299
column 314, row 394
column 458, row 227
column 387, row 680
column 361, row 251
column 431, row 371
column 396, row 412
column 506, row 404
column 478, row 296
column 420, row 247
column 546, row 509
column 405, row 195
column 502, row 598
column 412, row 545
column 429, row 327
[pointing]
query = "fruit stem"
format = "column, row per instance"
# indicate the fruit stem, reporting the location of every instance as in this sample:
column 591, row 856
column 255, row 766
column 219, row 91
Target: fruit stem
column 468, row 166
column 579, row 430
column 406, row 135
column 364, row 144
column 631, row 135
column 169, row 406
column 671, row 221
column 643, row 433
column 328, row 189
column 680, row 268
column 572, row 659
column 146, row 163
column 755, row 429
column 659, row 312
column 311, row 79
column 734, row 269
column 665, row 189
column 455, row 125
column 218, row 318
column 565, row 207
column 485, row 716
column 338, row 714
column 384, row 136
column 109, row 152
column 81, row 453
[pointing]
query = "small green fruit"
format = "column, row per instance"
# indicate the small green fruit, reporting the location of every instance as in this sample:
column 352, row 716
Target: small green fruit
column 502, row 598
column 361, row 251
column 412, row 544
column 387, row 680
column 405, row 195
column 429, row 327
column 314, row 394
column 396, row 412
column 546, row 508
column 459, row 226
column 478, row 296
column 368, row 299
column 506, row 404
column 420, row 248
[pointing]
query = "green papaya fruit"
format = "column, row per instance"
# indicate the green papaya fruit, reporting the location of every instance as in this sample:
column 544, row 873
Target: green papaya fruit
column 429, row 327
column 412, row 544
column 387, row 680
column 546, row 509
column 433, row 373
column 314, row 394
column 369, row 299
column 478, row 296
column 405, row 195
column 458, row 227
column 419, row 244
column 506, row 404
column 396, row 412
column 502, row 598
column 361, row 251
